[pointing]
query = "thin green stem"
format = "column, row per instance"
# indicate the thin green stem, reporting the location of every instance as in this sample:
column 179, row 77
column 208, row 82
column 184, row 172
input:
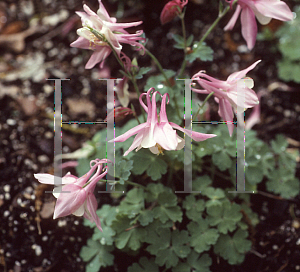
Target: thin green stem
column 165, row 76
column 133, row 80
column 136, row 184
column 203, row 104
column 220, row 16
column 159, row 66
column 134, row 113
column 184, row 43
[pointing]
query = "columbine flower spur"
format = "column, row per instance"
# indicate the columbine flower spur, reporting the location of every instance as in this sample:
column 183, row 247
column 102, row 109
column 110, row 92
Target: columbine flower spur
column 109, row 35
column 75, row 195
column 157, row 136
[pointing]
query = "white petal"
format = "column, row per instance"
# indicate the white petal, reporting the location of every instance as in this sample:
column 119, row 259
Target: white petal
column 154, row 150
column 86, row 33
column 181, row 143
column 80, row 211
column 57, row 190
column 264, row 20
column 245, row 82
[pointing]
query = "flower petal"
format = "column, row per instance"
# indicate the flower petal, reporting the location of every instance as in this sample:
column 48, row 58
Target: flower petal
column 129, row 133
column 90, row 212
column 166, row 136
column 240, row 74
column 249, row 26
column 136, row 143
column 98, row 56
column 233, row 19
column 226, row 113
column 70, row 201
column 275, row 9
column 197, row 136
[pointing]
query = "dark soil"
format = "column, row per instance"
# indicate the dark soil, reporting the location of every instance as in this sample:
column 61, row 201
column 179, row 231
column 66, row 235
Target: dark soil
column 30, row 240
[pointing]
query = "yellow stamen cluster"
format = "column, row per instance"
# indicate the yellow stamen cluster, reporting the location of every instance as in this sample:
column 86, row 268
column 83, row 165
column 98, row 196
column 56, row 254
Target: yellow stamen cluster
column 160, row 149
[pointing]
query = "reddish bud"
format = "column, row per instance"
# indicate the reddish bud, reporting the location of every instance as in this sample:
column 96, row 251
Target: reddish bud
column 171, row 10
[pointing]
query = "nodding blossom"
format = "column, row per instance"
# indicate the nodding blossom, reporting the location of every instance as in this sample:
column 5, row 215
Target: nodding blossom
column 75, row 195
column 157, row 135
column 102, row 34
column 235, row 91
column 263, row 10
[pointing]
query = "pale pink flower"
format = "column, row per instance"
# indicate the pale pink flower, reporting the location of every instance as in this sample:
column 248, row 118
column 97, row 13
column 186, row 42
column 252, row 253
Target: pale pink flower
column 263, row 10
column 254, row 117
column 172, row 9
column 76, row 196
column 235, row 91
column 157, row 136
column 113, row 34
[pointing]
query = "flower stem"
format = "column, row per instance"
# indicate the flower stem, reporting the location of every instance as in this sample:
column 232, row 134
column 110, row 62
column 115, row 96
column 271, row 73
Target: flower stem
column 184, row 43
column 203, row 104
column 165, row 76
column 136, row 184
column 220, row 16
column 133, row 80
column 159, row 66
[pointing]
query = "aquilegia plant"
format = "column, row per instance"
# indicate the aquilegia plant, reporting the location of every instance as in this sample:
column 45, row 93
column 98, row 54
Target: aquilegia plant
column 175, row 148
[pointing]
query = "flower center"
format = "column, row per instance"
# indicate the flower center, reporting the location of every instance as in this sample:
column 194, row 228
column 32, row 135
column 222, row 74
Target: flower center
column 160, row 149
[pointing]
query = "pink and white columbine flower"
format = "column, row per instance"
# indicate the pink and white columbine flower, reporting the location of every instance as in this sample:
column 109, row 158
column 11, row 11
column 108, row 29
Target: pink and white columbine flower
column 113, row 34
column 235, row 91
column 171, row 10
column 157, row 136
column 263, row 10
column 76, row 196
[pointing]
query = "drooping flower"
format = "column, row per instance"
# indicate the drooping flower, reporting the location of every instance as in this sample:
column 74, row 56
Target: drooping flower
column 263, row 10
column 157, row 136
column 76, row 196
column 112, row 34
column 172, row 9
column 235, row 91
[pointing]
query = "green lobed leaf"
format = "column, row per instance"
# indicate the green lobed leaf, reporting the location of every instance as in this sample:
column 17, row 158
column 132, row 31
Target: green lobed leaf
column 158, row 82
column 154, row 166
column 97, row 254
column 167, row 208
column 289, row 70
column 202, row 237
column 105, row 237
column 280, row 144
column 123, row 168
column 168, row 246
column 154, row 189
column 281, row 182
column 201, row 182
column 133, row 203
column 225, row 217
column 194, row 263
column 233, row 249
column 142, row 71
column 127, row 235
column 201, row 51
column 144, row 265
column 194, row 208
column 146, row 217
column 222, row 160
column 107, row 214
